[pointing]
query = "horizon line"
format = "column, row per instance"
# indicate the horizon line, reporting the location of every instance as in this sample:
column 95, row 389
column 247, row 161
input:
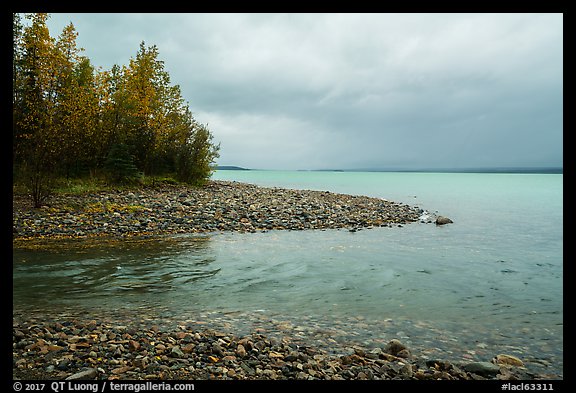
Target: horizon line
column 502, row 169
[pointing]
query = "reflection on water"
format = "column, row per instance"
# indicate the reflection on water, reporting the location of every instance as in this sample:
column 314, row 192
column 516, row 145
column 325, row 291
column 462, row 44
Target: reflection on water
column 409, row 274
column 375, row 273
column 85, row 271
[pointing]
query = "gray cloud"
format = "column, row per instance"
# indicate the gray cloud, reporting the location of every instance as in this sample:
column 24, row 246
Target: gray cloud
column 295, row 91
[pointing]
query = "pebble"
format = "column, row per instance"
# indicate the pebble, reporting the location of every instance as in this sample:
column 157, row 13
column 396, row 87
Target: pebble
column 218, row 206
column 217, row 354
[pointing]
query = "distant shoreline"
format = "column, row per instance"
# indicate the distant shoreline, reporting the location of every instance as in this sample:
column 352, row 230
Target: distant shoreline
column 503, row 170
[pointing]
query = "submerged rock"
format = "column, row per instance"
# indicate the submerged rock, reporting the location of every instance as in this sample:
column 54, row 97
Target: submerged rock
column 181, row 352
column 485, row 369
column 396, row 348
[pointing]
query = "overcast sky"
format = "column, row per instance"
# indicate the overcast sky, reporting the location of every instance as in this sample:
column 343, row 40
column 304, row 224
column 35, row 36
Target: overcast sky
column 319, row 91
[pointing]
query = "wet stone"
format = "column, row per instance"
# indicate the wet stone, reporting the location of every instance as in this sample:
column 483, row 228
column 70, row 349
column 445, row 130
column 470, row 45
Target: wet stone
column 86, row 374
column 508, row 360
column 148, row 345
column 482, row 368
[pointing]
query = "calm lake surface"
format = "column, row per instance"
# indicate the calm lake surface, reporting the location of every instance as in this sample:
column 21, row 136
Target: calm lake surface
column 490, row 283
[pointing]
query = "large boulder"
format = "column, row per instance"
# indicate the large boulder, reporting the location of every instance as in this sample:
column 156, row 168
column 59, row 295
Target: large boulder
column 441, row 220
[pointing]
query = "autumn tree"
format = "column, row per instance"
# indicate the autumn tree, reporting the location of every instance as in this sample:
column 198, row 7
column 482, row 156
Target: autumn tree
column 37, row 150
column 195, row 157
column 77, row 104
column 112, row 113
column 157, row 122
column 69, row 117
column 17, row 80
column 144, row 80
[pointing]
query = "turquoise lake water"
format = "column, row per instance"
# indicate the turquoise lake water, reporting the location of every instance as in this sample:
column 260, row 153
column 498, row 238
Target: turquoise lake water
column 491, row 282
column 504, row 249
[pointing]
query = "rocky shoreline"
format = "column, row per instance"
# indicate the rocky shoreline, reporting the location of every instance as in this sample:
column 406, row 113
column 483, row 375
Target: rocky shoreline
column 73, row 348
column 219, row 206
column 54, row 347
